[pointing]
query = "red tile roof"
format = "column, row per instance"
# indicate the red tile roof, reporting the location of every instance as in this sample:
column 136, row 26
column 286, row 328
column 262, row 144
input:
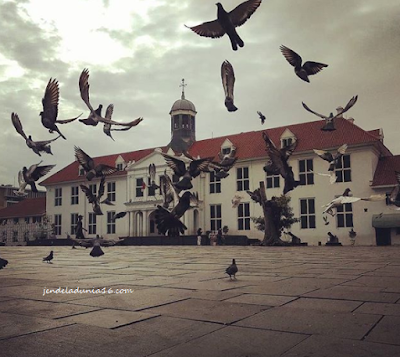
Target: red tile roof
column 29, row 207
column 249, row 145
column 71, row 172
column 385, row 171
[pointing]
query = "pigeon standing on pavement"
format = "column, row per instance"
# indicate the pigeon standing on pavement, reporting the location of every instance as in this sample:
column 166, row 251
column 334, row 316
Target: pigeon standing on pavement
column 226, row 22
column 228, row 82
column 49, row 257
column 302, row 71
column 50, row 108
column 3, row 263
column 329, row 120
column 232, row 269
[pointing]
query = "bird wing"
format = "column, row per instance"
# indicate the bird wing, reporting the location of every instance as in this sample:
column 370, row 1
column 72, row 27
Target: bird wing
column 91, row 198
column 168, row 189
column 50, row 100
column 41, row 171
column 17, row 125
column 228, row 78
column 341, row 151
column 84, row 159
column 350, row 104
column 241, row 13
column 311, row 111
column 46, row 142
column 292, row 57
column 120, row 215
column 194, row 199
column 84, row 88
column 109, row 111
column 349, row 199
column 21, row 179
column 152, row 172
column 274, row 155
column 288, row 150
column 175, row 164
column 196, row 166
column 211, row 29
column 262, row 117
column 313, row 67
column 105, row 169
column 374, row 198
column 326, row 155
column 101, row 188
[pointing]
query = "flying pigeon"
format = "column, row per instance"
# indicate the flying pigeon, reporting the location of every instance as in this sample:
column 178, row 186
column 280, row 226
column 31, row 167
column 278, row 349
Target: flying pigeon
column 232, row 269
column 93, row 199
column 228, row 82
column 36, row 146
column 152, row 174
column 332, row 176
column 119, row 215
column 107, row 127
column 3, row 263
column 168, row 222
column 325, row 218
column 255, row 195
column 236, row 201
column 226, row 162
column 50, row 108
column 95, row 115
column 277, row 163
column 49, row 257
column 332, row 159
column 179, row 168
column 302, row 71
column 347, row 198
column 329, row 121
column 90, row 168
column 31, row 175
column 168, row 190
column 227, row 21
column 394, row 197
column 262, row 117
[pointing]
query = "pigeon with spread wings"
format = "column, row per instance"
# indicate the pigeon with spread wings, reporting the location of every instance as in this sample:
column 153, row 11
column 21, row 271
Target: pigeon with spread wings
column 107, row 127
column 329, row 120
column 95, row 115
column 168, row 222
column 226, row 22
column 89, row 166
column 277, row 163
column 36, row 146
column 262, row 117
column 95, row 199
column 302, row 71
column 347, row 198
column 50, row 108
column 152, row 175
column 333, row 159
column 179, row 168
column 34, row 173
column 228, row 82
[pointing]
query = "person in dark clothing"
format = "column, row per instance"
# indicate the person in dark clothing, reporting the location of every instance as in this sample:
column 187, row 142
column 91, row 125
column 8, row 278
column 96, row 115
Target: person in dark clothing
column 219, row 237
column 79, row 228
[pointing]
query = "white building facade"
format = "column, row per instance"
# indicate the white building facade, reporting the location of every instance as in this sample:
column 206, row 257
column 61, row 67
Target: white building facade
column 359, row 170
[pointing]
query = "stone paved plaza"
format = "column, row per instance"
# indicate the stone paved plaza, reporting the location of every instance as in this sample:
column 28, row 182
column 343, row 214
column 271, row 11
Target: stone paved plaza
column 286, row 301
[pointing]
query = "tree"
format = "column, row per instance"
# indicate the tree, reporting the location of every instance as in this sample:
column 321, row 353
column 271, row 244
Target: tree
column 278, row 215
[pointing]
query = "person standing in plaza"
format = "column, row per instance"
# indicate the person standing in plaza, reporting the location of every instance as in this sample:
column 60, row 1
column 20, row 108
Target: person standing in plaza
column 219, row 237
column 199, row 233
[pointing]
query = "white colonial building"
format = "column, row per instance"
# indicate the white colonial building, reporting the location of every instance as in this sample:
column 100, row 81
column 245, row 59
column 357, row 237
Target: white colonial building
column 366, row 168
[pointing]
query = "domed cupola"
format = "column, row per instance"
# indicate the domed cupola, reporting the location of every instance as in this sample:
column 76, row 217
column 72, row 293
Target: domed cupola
column 183, row 116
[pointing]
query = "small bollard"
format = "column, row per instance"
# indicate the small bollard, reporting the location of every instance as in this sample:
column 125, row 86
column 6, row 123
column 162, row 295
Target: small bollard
column 319, row 243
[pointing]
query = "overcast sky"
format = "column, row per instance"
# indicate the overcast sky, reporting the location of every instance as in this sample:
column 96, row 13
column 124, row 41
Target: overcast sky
column 138, row 51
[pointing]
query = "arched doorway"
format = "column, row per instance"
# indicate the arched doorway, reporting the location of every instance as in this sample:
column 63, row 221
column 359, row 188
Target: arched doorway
column 139, row 224
column 152, row 224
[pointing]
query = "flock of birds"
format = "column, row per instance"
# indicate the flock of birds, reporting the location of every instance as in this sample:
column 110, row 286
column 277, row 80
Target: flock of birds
column 168, row 218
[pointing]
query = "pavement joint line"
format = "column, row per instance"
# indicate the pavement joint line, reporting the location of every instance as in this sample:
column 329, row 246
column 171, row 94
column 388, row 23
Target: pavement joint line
column 79, row 313
column 134, row 322
column 269, row 329
column 298, row 343
column 33, row 332
column 373, row 326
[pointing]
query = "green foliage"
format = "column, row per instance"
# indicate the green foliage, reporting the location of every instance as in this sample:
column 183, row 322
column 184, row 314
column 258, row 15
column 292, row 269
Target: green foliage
column 286, row 219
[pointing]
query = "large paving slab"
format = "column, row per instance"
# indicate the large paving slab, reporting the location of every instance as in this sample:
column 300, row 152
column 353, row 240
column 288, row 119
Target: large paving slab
column 286, row 301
